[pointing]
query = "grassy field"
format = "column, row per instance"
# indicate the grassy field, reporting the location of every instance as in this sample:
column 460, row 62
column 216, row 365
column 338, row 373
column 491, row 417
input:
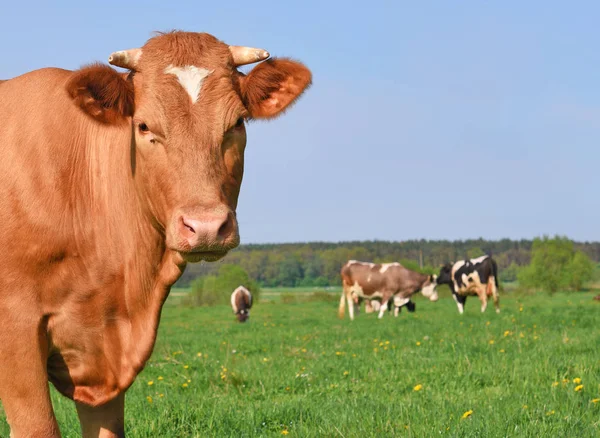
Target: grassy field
column 298, row 370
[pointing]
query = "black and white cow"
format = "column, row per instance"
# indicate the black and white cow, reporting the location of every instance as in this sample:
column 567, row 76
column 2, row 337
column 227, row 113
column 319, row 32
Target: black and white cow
column 472, row 277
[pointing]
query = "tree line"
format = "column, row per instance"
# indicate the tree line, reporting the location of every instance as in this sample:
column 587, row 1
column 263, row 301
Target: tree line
column 319, row 263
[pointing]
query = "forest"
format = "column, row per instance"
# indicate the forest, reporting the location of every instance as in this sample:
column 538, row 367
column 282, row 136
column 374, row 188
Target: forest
column 319, row 263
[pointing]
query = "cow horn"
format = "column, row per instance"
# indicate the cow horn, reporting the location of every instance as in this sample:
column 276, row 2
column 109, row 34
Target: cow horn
column 125, row 58
column 247, row 55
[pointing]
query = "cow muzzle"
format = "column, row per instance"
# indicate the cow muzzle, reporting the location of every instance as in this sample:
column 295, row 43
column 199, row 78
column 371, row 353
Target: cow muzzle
column 203, row 234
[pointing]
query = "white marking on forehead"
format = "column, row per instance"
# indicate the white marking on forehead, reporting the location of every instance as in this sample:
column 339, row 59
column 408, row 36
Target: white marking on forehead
column 190, row 77
column 386, row 266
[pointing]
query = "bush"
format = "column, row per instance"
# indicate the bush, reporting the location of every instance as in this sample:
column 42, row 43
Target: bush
column 213, row 290
column 555, row 265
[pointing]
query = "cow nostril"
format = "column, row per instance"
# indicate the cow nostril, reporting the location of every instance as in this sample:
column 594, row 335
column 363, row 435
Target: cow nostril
column 225, row 228
column 187, row 226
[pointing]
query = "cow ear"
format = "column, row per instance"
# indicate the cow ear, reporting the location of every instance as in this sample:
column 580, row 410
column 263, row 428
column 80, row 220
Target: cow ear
column 102, row 93
column 274, row 85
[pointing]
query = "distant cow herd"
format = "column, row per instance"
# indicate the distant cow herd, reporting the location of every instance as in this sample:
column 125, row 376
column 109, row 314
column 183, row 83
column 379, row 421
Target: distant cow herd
column 386, row 285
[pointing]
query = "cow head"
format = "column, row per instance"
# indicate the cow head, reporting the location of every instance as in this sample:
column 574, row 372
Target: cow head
column 186, row 104
column 445, row 276
column 243, row 315
column 429, row 289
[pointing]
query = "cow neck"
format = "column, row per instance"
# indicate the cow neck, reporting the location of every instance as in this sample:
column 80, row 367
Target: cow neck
column 125, row 236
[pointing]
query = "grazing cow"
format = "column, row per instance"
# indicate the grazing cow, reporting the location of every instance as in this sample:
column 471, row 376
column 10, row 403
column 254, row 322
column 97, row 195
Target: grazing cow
column 374, row 305
column 472, row 277
column 384, row 281
column 110, row 183
column 241, row 303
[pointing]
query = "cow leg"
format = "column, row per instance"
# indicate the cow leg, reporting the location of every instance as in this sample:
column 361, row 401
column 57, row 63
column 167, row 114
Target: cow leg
column 368, row 306
column 350, row 306
column 460, row 302
column 384, row 304
column 24, row 380
column 396, row 311
column 105, row 421
column 496, row 298
column 482, row 297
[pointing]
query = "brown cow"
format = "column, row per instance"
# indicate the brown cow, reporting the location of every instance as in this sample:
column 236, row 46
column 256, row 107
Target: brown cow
column 109, row 184
column 387, row 280
column 241, row 303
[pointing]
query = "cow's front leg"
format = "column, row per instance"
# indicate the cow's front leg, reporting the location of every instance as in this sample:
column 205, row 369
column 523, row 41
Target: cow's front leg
column 105, row 421
column 23, row 378
column 460, row 302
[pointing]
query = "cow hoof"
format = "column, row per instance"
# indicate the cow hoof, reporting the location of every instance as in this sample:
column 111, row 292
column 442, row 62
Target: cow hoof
column 497, row 310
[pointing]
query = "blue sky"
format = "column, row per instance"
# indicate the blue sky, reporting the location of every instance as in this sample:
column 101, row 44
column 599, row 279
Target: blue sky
column 437, row 120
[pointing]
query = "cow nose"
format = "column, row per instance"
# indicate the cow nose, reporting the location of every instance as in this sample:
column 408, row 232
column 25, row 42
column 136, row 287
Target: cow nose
column 208, row 230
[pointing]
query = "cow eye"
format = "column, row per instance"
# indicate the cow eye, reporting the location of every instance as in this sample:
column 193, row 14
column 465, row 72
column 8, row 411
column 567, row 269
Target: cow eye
column 239, row 123
column 143, row 128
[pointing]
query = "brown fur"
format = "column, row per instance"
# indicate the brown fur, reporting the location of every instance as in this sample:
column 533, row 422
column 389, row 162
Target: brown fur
column 102, row 93
column 90, row 220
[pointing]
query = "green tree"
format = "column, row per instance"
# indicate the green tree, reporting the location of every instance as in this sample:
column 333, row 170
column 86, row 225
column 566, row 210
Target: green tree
column 550, row 262
column 581, row 270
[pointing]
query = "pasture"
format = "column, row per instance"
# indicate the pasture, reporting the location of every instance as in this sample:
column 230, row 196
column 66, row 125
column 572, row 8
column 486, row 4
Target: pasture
column 297, row 370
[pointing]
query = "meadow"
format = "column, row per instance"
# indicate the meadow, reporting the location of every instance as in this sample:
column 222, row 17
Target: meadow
column 298, row 370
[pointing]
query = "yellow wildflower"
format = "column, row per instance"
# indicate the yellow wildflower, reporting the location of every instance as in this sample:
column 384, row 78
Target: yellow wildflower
column 418, row 387
column 502, row 350
column 185, row 385
column 578, row 388
column 507, row 333
column 554, row 384
column 467, row 414
column 151, row 382
column 354, row 355
column 304, row 350
column 287, row 388
column 488, row 323
column 492, row 342
column 577, row 380
column 525, row 406
column 149, row 398
column 595, row 400
column 338, row 353
column 375, row 350
column 265, row 359
column 521, row 335
column 161, row 395
column 550, row 412
column 199, row 354
column 160, row 377
column 284, row 432
column 346, row 373
column 418, row 343
column 186, row 367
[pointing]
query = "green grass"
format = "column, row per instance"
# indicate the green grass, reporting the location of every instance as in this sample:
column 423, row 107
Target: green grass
column 298, row 368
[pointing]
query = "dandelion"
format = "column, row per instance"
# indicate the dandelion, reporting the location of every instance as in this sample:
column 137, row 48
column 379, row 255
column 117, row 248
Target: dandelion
column 149, row 398
column 199, row 354
column 189, row 381
column 595, row 400
column 151, row 382
column 160, row 377
column 577, row 380
column 418, row 343
column 521, row 335
column 467, row 414
column 550, row 413
column 387, row 342
column 525, row 406
column 578, row 388
column 381, row 344
column 265, row 359
column 536, row 337
column 507, row 333
column 338, row 353
column 186, row 367
column 304, row 350
column 284, row 432
column 185, row 385
column 375, row 350
column 502, row 350
column 554, row 384
column 287, row 388
column 487, row 323
column 418, row 387
column 353, row 354
column 346, row 373
column 161, row 395
column 492, row 342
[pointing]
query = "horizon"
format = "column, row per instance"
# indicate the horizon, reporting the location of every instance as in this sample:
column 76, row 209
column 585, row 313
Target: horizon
column 441, row 122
